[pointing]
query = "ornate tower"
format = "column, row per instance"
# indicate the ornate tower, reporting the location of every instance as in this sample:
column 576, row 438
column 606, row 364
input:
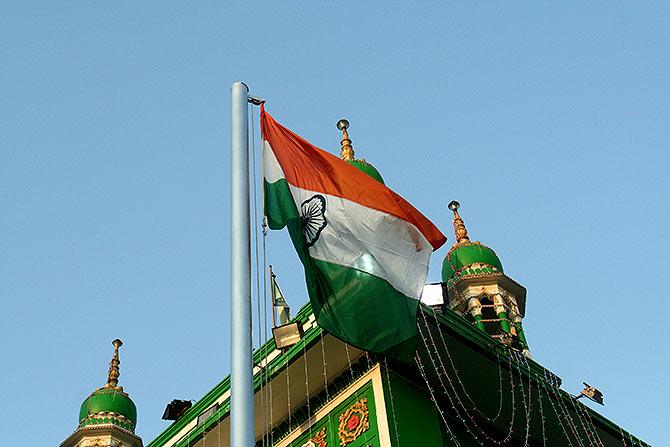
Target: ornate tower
column 479, row 290
column 108, row 416
column 347, row 153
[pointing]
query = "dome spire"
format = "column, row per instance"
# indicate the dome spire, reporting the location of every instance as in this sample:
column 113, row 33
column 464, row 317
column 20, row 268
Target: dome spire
column 459, row 227
column 347, row 152
column 109, row 405
column 113, row 376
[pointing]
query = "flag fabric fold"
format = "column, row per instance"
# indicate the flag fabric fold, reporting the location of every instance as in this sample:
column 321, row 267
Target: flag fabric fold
column 364, row 248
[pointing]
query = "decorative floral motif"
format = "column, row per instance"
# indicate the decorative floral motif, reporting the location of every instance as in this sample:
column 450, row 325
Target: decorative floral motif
column 353, row 422
column 313, row 216
column 318, row 440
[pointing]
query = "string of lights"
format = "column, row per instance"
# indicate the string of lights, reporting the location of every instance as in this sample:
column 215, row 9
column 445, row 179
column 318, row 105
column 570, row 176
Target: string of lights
column 558, row 415
column 593, row 425
column 453, row 401
column 435, row 402
column 288, row 392
column 446, row 391
column 346, row 348
column 271, row 432
column 567, row 416
column 257, row 269
column 267, row 379
column 539, row 398
column 585, row 428
column 265, row 392
column 512, row 395
column 325, row 365
column 582, row 415
column 309, row 409
column 458, row 378
column 527, row 407
column 390, row 388
column 446, row 374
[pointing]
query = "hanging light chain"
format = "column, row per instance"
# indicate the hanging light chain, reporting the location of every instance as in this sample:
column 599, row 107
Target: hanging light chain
column 448, row 394
column 558, row 416
column 458, row 379
column 325, row 373
column 434, row 399
column 388, row 381
column 457, row 399
column 527, row 409
column 309, row 409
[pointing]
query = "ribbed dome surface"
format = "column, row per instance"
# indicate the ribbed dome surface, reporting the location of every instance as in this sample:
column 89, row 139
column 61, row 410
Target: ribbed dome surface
column 108, row 400
column 465, row 255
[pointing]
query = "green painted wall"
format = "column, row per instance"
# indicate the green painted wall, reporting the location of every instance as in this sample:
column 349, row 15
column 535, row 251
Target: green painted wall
column 332, row 420
column 416, row 421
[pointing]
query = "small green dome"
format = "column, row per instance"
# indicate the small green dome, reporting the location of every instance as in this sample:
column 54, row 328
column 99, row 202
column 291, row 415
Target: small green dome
column 366, row 167
column 108, row 400
column 466, row 254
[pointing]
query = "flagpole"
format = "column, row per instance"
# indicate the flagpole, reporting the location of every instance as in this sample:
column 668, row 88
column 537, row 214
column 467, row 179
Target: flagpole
column 241, row 388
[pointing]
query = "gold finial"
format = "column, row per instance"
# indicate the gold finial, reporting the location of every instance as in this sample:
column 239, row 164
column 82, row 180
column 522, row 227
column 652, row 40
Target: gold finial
column 459, row 226
column 347, row 152
column 113, row 376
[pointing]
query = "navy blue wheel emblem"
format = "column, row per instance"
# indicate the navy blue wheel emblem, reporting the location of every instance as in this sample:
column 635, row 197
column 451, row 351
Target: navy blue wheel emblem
column 313, row 217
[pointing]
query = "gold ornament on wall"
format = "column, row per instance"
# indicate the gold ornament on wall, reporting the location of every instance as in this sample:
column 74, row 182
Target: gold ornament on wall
column 353, row 422
column 318, row 440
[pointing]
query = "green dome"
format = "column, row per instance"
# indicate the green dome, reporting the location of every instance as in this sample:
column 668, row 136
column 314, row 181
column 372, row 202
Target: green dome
column 108, row 400
column 366, row 167
column 466, row 254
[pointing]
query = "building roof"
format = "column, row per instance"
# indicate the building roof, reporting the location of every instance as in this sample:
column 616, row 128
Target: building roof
column 214, row 407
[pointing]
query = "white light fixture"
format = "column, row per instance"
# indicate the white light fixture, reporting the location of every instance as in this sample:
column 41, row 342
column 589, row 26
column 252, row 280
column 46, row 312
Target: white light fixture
column 287, row 335
column 432, row 295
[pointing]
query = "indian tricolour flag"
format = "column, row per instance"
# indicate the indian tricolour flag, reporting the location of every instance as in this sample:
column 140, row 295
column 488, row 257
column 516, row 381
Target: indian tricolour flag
column 364, row 248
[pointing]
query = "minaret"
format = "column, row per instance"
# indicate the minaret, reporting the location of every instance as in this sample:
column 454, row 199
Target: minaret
column 108, row 416
column 479, row 290
column 347, row 153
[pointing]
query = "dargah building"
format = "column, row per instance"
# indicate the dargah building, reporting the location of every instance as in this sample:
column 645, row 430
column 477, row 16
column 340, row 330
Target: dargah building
column 471, row 382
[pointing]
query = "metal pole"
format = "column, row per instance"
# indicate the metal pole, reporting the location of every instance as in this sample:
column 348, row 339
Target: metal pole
column 241, row 388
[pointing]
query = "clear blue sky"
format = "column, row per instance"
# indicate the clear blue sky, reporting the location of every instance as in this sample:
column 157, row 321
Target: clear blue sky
column 549, row 122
